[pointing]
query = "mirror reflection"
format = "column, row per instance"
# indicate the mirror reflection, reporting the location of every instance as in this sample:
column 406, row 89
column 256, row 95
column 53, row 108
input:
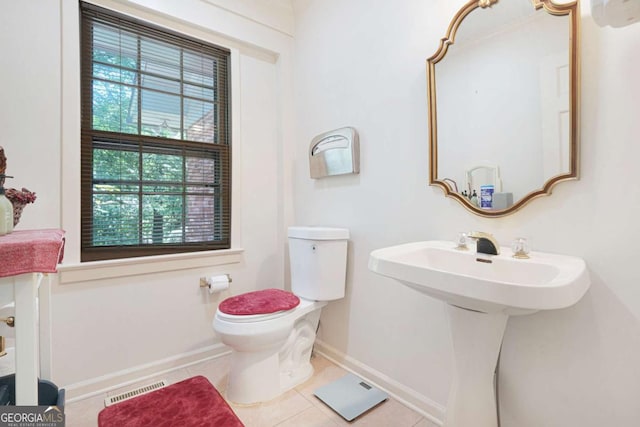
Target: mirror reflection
column 502, row 101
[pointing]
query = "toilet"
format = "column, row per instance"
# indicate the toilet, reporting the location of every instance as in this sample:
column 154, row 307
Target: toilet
column 271, row 331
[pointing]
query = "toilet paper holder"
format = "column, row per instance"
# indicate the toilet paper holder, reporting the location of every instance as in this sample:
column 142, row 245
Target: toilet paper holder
column 205, row 282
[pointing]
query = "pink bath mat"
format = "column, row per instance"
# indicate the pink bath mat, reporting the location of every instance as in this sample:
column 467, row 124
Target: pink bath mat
column 192, row 402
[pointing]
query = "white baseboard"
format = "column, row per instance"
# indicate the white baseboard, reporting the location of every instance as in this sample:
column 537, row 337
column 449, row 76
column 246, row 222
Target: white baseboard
column 92, row 387
column 403, row 394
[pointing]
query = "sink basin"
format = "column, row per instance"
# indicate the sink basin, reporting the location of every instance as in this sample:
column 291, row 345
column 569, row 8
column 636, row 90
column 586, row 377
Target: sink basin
column 482, row 291
column 486, row 283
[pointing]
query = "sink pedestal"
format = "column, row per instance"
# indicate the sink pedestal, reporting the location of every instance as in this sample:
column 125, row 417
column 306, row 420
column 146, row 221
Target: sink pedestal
column 476, row 338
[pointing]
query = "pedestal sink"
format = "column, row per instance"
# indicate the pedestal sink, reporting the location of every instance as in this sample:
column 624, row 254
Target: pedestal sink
column 481, row 291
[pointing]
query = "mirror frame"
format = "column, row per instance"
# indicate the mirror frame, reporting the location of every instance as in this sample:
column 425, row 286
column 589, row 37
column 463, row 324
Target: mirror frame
column 572, row 10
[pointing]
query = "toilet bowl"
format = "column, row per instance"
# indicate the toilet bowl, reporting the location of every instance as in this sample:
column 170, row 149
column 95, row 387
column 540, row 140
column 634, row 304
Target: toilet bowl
column 271, row 353
column 271, row 332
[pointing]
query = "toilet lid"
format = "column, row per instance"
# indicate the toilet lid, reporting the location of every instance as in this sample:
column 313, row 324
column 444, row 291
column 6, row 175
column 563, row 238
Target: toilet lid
column 259, row 302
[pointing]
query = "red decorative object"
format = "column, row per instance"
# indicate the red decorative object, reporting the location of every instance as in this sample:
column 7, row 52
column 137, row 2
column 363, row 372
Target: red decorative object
column 192, row 402
column 259, row 302
column 19, row 199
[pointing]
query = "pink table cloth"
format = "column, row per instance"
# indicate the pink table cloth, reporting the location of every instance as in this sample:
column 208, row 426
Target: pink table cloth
column 31, row 251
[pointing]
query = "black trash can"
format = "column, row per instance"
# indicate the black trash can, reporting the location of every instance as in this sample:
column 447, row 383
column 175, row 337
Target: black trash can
column 48, row 392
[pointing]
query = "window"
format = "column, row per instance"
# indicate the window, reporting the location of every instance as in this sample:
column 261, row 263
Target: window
column 155, row 171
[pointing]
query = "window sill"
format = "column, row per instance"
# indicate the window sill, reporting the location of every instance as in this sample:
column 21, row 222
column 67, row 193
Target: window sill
column 97, row 270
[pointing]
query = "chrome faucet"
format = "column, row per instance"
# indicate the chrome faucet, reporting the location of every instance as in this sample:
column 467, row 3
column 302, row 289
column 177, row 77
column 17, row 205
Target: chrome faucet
column 485, row 243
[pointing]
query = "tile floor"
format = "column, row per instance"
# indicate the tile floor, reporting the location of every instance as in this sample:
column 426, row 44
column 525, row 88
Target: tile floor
column 296, row 408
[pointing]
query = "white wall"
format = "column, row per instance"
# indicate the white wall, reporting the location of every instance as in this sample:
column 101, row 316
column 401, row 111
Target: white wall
column 112, row 329
column 357, row 63
column 30, row 116
column 362, row 64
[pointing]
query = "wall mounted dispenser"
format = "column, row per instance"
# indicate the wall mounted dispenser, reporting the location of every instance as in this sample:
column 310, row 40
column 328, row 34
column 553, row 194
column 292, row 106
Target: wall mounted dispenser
column 336, row 152
column 615, row 13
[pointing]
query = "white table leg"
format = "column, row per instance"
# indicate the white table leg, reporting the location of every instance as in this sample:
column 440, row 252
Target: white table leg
column 44, row 327
column 25, row 288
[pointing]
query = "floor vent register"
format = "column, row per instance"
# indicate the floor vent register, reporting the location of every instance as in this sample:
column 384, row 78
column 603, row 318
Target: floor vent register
column 134, row 393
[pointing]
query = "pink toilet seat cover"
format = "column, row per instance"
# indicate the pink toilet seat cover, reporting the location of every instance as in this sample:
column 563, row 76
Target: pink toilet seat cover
column 259, row 302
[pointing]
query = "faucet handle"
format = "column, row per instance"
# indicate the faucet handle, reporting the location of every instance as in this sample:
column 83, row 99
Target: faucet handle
column 520, row 248
column 462, row 241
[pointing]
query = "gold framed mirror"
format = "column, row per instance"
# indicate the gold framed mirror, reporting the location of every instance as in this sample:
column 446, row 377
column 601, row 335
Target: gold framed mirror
column 503, row 90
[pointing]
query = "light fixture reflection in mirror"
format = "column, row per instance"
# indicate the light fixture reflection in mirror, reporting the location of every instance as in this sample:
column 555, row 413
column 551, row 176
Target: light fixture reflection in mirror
column 503, row 92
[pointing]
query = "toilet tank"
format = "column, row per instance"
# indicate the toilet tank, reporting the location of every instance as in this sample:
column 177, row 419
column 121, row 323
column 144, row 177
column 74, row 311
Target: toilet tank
column 318, row 258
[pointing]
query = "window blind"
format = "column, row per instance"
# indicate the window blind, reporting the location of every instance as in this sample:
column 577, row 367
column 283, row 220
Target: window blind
column 155, row 173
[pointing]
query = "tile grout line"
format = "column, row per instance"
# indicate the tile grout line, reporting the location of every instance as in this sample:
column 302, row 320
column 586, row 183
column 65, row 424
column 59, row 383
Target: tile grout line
column 314, row 404
column 297, row 413
column 291, row 417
